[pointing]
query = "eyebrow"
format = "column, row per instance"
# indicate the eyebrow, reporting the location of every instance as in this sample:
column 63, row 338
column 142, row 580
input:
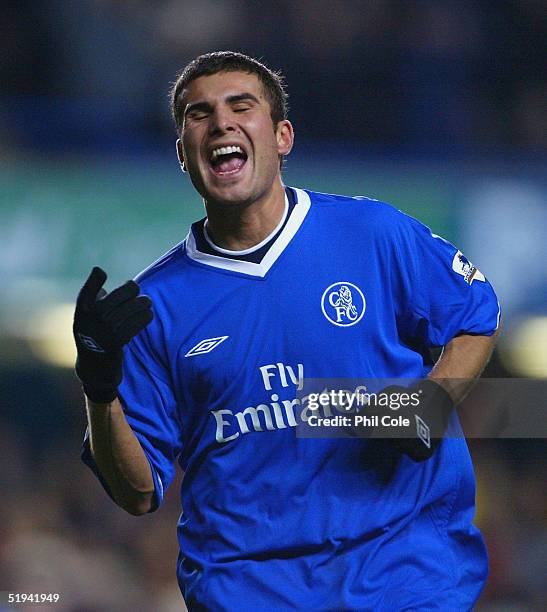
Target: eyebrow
column 242, row 97
column 205, row 106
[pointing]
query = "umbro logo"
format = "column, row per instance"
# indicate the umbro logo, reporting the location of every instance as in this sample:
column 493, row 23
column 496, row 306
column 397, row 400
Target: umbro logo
column 422, row 430
column 90, row 344
column 205, row 346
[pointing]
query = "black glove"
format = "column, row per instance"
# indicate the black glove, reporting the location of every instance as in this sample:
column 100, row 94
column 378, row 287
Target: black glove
column 427, row 413
column 103, row 324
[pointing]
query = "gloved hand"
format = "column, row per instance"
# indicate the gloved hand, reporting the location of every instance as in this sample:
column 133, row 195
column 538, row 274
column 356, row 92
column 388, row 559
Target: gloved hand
column 103, row 324
column 427, row 414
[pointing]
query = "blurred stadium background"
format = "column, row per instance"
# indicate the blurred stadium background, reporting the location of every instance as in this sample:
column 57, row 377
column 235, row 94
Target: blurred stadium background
column 437, row 106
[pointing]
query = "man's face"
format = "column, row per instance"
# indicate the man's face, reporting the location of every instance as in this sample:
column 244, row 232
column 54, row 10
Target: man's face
column 229, row 144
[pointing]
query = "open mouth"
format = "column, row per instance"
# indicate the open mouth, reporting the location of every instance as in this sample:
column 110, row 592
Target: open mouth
column 226, row 161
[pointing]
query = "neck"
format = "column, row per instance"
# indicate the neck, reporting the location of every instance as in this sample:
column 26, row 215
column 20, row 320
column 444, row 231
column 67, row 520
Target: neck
column 241, row 227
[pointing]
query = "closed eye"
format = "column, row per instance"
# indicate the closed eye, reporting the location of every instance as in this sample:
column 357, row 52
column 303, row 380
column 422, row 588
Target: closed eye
column 197, row 115
column 239, row 109
column 198, row 110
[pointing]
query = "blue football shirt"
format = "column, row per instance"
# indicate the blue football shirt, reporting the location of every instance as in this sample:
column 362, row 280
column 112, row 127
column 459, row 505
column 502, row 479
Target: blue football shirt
column 351, row 288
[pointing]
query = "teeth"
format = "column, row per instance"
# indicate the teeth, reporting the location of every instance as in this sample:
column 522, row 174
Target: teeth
column 225, row 151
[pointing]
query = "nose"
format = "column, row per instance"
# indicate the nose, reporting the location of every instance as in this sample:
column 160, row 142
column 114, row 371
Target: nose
column 222, row 120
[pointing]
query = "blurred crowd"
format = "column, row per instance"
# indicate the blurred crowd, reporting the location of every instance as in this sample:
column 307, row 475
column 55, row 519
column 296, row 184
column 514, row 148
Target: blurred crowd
column 449, row 74
column 60, row 533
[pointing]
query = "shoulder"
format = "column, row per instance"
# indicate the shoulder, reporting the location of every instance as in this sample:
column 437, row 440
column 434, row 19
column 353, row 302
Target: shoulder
column 360, row 210
column 164, row 271
column 167, row 283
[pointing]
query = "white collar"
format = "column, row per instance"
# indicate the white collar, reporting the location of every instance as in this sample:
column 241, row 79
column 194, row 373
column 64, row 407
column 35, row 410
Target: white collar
column 246, row 267
column 250, row 249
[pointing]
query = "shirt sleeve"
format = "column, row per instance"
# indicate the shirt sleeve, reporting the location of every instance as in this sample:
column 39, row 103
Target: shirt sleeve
column 445, row 294
column 151, row 409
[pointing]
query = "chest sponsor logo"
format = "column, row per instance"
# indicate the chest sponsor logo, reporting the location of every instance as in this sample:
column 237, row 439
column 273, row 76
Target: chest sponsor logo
column 272, row 414
column 343, row 304
column 205, row 346
column 465, row 268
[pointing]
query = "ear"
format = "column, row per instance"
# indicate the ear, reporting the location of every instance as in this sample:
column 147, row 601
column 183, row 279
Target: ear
column 180, row 155
column 180, row 152
column 285, row 137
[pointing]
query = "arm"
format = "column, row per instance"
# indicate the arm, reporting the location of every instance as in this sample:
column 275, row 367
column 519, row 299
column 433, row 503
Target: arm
column 461, row 363
column 103, row 324
column 446, row 302
column 119, row 457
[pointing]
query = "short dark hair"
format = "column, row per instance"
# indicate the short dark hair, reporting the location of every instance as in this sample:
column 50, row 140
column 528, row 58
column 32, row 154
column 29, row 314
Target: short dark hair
column 231, row 61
